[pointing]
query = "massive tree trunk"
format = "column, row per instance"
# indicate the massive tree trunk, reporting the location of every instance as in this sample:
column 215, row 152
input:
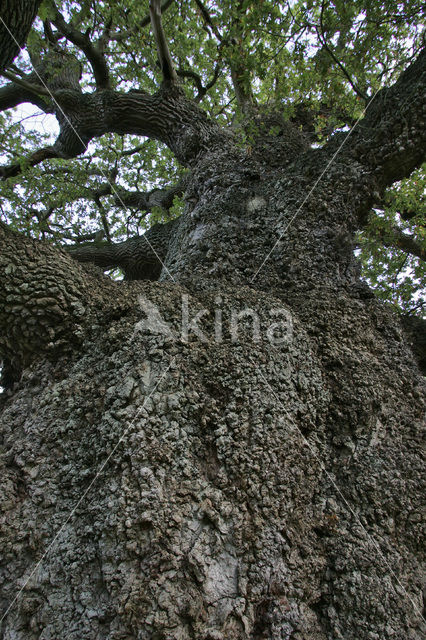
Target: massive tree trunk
column 231, row 452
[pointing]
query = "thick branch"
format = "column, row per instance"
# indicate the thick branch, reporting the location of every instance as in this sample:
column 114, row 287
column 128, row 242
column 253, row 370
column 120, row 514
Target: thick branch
column 29, row 87
column 164, row 57
column 58, row 70
column 93, row 52
column 140, row 200
column 13, row 94
column 35, row 158
column 242, row 88
column 162, row 198
column 166, row 116
column 398, row 239
column 391, row 139
column 140, row 258
column 16, row 18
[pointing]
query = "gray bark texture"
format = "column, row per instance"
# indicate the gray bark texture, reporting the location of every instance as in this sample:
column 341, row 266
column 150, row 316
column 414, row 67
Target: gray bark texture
column 17, row 17
column 220, row 481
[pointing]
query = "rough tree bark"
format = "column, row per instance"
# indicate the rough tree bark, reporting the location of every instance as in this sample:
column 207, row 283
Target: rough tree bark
column 15, row 24
column 219, row 483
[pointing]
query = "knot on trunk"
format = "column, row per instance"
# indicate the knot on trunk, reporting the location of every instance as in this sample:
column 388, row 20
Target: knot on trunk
column 46, row 300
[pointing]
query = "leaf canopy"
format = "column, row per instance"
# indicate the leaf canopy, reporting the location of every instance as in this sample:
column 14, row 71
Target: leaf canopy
column 318, row 62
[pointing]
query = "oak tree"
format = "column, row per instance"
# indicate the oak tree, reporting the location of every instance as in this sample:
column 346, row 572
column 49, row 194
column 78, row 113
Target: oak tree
column 225, row 444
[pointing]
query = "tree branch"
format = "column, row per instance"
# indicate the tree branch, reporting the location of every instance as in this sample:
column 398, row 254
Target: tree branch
column 240, row 74
column 162, row 198
column 323, row 40
column 16, row 19
column 208, row 20
column 131, row 152
column 243, row 90
column 189, row 73
column 37, row 89
column 93, row 52
column 164, row 57
column 166, row 116
column 124, row 35
column 140, row 200
column 390, row 141
column 141, row 257
column 12, row 170
column 104, row 217
column 409, row 215
column 394, row 237
column 406, row 214
column 13, row 94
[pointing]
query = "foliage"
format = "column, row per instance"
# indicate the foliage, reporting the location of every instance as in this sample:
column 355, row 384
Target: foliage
column 330, row 56
column 398, row 277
